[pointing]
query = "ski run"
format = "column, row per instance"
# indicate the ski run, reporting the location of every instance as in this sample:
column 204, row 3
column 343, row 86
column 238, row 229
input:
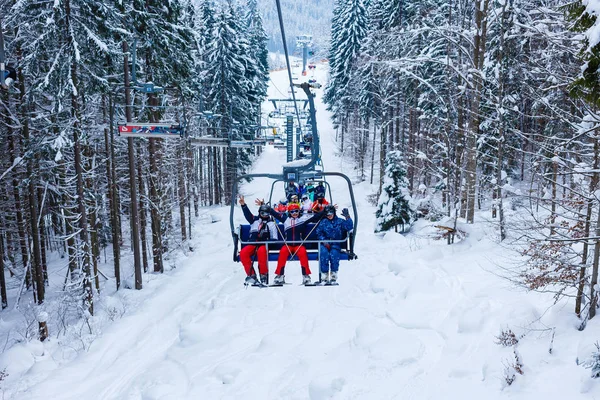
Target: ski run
column 412, row 318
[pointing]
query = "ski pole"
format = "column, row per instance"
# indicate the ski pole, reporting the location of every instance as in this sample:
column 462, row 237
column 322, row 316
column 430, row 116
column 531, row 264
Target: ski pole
column 304, row 240
column 284, row 241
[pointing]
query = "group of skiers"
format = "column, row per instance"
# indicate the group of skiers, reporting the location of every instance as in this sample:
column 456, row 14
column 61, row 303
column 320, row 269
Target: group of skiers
column 295, row 218
column 310, row 198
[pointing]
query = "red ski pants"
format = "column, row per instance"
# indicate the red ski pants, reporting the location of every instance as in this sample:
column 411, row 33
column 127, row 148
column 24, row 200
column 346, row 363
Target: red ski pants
column 286, row 251
column 246, row 258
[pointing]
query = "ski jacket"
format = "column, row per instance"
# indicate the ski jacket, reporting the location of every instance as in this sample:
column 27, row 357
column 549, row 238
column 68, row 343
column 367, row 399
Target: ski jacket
column 318, row 207
column 334, row 229
column 301, row 190
column 290, row 190
column 295, row 228
column 307, row 206
column 260, row 230
column 319, row 189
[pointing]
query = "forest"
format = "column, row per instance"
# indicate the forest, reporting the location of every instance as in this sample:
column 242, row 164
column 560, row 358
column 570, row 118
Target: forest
column 473, row 103
column 71, row 185
column 484, row 103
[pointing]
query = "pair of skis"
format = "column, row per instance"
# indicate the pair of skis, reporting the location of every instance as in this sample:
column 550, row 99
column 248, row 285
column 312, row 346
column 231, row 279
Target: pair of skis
column 263, row 285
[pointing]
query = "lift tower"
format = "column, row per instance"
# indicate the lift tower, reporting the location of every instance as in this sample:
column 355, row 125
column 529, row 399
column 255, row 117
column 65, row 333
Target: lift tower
column 305, row 42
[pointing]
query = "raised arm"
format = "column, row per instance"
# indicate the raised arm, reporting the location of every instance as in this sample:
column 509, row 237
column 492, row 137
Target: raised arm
column 281, row 217
column 247, row 214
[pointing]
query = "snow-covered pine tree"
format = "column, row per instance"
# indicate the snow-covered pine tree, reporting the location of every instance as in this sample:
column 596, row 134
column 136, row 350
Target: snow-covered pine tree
column 230, row 92
column 258, row 44
column 394, row 209
column 349, row 28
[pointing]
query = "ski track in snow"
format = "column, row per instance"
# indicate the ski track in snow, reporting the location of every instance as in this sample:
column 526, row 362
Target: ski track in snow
column 410, row 320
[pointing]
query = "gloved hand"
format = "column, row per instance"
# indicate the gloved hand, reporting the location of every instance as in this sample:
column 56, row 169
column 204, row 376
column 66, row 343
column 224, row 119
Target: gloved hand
column 327, row 246
column 345, row 213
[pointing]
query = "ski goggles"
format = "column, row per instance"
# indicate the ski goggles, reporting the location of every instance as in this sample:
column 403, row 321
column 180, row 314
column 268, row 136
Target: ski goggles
column 330, row 213
column 294, row 212
column 264, row 214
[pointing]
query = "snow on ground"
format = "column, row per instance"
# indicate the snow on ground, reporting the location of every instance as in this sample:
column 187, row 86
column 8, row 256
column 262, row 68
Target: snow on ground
column 413, row 318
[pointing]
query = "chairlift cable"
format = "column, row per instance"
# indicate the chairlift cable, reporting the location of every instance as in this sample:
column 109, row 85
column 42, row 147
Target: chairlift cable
column 276, row 88
column 287, row 61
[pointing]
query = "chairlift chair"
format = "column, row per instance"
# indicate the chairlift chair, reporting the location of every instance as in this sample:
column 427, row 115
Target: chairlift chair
column 173, row 116
column 294, row 172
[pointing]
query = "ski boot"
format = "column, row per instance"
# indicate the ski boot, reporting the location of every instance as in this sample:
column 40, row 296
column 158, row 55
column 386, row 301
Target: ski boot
column 264, row 279
column 324, row 277
column 333, row 280
column 250, row 280
column 279, row 280
column 306, row 280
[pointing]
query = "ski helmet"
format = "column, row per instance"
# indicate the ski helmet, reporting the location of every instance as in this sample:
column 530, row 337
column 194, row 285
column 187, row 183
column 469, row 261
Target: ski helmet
column 329, row 209
column 293, row 207
column 264, row 211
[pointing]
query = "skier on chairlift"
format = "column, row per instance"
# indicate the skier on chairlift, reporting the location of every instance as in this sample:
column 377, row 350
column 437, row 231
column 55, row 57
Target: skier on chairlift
column 282, row 206
column 294, row 233
column 310, row 190
column 293, row 200
column 320, row 189
column 262, row 229
column 10, row 75
column 301, row 188
column 320, row 203
column 332, row 228
column 291, row 189
column 306, row 204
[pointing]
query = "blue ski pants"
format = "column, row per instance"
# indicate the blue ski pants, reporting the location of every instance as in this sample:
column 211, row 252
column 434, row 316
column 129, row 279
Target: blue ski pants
column 331, row 256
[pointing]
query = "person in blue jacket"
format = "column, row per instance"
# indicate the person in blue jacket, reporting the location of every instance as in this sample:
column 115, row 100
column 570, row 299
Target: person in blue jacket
column 332, row 228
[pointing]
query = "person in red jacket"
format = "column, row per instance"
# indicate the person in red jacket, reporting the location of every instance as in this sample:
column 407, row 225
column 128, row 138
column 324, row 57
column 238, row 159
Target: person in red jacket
column 294, row 225
column 262, row 229
column 320, row 203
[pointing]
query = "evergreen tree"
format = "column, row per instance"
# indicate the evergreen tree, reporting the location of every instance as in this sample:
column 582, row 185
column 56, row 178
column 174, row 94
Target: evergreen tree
column 228, row 59
column 348, row 31
column 394, row 207
column 205, row 28
column 386, row 14
column 258, row 44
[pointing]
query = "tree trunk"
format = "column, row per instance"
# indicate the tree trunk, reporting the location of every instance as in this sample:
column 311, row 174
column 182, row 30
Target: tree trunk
column 42, row 227
column 382, row 153
column 135, row 223
column 182, row 192
column 373, row 150
column 3, row 295
column 586, row 229
column 594, row 277
column 83, row 224
column 481, row 7
column 13, row 154
column 154, row 204
column 142, row 208
column 36, row 266
column 112, row 189
column 553, row 203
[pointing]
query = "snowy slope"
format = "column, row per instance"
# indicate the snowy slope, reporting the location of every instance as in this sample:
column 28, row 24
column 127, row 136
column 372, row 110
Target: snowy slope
column 412, row 318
